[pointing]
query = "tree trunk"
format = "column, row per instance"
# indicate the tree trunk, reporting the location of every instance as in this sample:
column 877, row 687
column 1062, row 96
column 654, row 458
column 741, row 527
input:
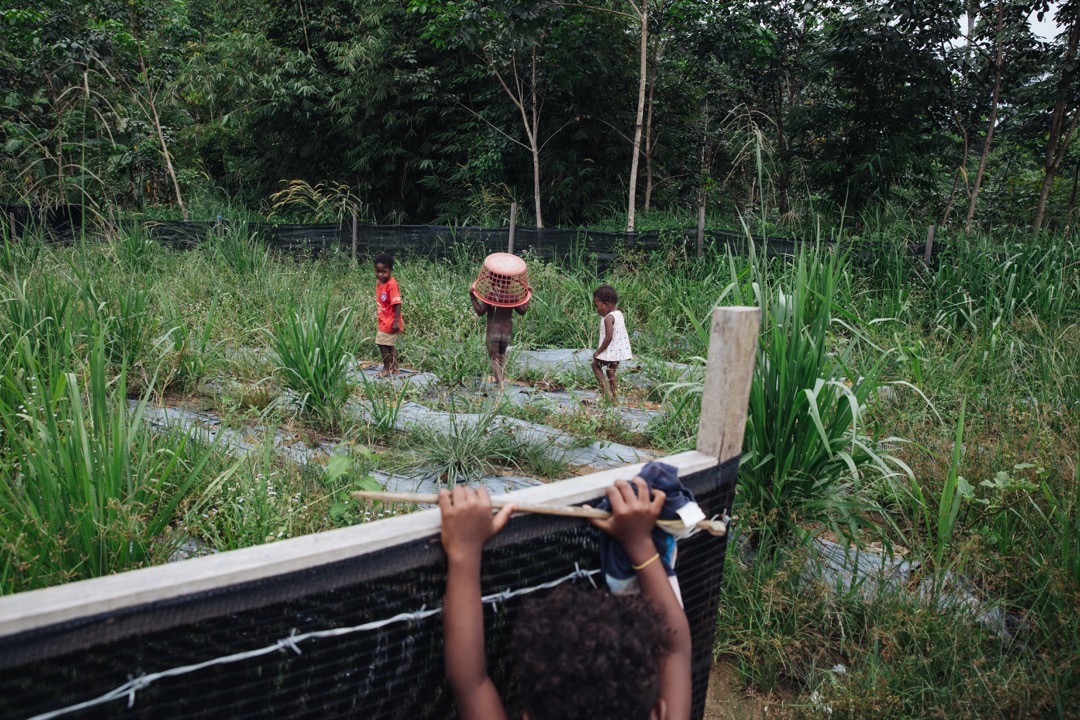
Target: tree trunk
column 649, row 144
column 1072, row 196
column 998, row 63
column 161, row 137
column 534, row 142
column 1060, row 138
column 530, row 118
column 961, row 170
column 630, row 212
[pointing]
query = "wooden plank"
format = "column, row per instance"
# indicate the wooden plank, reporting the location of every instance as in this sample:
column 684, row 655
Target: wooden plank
column 733, row 343
column 39, row 608
column 929, row 250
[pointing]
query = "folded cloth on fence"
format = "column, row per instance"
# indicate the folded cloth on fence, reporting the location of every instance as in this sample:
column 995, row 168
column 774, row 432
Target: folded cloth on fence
column 679, row 504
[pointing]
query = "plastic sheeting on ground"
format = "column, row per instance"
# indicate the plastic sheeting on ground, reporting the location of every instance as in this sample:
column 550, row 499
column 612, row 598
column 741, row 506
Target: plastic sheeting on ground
column 865, row 572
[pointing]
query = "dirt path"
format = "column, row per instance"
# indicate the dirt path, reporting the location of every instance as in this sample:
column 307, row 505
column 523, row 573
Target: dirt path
column 728, row 700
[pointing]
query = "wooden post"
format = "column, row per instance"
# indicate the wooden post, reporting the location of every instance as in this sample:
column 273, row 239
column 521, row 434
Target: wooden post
column 513, row 225
column 733, row 344
column 701, row 230
column 929, row 245
column 354, row 237
column 11, row 223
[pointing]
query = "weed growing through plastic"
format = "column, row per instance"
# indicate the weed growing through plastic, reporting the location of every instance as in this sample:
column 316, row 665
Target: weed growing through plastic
column 469, row 448
column 313, row 352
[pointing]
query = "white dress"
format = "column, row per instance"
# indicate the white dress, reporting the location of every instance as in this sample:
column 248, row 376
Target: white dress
column 619, row 349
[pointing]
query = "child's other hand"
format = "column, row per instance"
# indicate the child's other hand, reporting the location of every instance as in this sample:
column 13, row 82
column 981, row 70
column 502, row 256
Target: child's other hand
column 395, row 327
column 633, row 516
column 467, row 522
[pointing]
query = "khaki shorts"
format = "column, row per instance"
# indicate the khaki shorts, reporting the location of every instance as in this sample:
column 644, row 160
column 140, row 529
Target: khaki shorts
column 390, row 339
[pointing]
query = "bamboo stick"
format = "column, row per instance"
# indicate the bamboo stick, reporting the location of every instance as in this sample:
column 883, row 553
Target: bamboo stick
column 713, row 527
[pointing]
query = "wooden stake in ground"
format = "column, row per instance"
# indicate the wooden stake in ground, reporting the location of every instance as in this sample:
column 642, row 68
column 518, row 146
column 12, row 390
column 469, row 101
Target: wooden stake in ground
column 513, row 224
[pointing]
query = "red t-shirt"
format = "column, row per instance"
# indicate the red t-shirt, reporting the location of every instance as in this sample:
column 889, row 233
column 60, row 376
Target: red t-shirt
column 386, row 297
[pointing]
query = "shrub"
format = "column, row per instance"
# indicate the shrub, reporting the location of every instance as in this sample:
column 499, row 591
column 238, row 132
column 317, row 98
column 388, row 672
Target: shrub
column 314, row 358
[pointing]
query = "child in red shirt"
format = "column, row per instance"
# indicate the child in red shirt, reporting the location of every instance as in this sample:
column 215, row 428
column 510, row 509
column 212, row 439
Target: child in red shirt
column 388, row 304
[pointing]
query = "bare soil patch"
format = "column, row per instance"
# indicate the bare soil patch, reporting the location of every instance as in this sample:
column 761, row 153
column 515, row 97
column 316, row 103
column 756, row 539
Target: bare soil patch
column 729, row 700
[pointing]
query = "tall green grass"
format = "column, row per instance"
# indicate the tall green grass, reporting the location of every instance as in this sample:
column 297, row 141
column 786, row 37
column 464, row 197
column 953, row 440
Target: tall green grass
column 468, row 450
column 188, row 354
column 313, row 348
column 809, row 445
column 91, row 489
column 990, row 327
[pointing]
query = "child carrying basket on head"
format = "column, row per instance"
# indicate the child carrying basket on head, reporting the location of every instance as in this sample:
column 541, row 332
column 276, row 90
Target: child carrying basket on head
column 501, row 289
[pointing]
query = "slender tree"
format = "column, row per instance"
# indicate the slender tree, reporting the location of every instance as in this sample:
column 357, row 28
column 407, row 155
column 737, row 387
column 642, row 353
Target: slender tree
column 512, row 39
column 642, row 12
column 984, row 154
column 1066, row 111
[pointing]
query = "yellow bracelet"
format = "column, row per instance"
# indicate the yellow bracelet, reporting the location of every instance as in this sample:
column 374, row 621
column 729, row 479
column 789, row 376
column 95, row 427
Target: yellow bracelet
column 647, row 563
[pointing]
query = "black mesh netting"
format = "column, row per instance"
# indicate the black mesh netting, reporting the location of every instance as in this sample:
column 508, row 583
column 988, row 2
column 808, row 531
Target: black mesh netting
column 434, row 241
column 392, row 672
column 54, row 222
column 442, row 241
column 65, row 222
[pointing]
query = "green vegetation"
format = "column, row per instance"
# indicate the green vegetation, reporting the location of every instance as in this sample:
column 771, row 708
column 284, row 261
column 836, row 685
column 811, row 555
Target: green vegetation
column 314, row 358
column 972, row 362
column 467, row 449
column 92, row 488
column 763, row 112
column 931, row 411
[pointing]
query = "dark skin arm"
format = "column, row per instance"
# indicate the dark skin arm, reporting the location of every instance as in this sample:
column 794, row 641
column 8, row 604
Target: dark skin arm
column 609, row 328
column 478, row 305
column 468, row 523
column 632, row 521
column 395, row 327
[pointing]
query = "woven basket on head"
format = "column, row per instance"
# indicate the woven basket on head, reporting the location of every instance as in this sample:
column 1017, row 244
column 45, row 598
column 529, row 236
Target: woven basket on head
column 503, row 281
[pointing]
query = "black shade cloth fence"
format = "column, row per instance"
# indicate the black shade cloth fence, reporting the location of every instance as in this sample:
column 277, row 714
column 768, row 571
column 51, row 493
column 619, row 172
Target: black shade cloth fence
column 435, row 241
column 604, row 247
column 395, row 671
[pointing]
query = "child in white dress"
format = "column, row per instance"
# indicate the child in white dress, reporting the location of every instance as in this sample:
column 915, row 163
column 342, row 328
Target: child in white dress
column 614, row 344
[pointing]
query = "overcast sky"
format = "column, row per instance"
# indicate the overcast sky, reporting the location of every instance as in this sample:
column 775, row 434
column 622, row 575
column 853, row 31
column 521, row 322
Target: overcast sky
column 1046, row 29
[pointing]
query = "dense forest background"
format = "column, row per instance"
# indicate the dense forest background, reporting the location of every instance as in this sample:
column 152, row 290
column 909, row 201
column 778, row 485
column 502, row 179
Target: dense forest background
column 952, row 111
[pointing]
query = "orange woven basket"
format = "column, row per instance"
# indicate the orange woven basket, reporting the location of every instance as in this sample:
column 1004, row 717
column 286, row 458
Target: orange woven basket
column 503, row 281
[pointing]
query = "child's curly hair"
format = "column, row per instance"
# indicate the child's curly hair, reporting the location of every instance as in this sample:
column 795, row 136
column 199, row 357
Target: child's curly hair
column 588, row 654
column 607, row 294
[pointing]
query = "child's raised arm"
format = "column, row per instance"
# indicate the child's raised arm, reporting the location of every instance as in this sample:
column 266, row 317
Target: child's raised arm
column 467, row 523
column 479, row 306
column 632, row 521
